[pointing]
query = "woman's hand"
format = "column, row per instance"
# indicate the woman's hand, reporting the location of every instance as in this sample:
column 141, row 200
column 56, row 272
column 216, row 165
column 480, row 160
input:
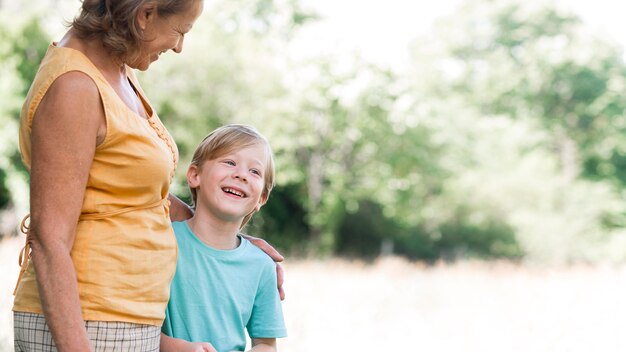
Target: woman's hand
column 280, row 275
column 197, row 347
column 172, row 344
column 277, row 257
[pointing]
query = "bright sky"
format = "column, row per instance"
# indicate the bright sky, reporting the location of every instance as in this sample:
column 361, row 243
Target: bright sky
column 378, row 30
column 381, row 30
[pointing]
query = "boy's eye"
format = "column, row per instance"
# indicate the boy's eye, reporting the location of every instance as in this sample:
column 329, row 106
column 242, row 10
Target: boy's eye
column 256, row 172
column 229, row 162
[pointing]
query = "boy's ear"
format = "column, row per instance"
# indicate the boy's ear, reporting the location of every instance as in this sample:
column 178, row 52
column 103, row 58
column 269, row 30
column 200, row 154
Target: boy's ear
column 193, row 176
column 261, row 202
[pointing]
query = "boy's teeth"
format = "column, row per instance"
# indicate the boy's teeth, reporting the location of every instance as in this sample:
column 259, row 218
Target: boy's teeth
column 232, row 191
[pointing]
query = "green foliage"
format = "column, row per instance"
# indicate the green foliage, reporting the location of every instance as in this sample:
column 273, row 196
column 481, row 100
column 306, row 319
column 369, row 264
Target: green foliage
column 529, row 61
column 504, row 138
column 22, row 46
column 31, row 46
column 282, row 221
column 533, row 109
column 467, row 235
column 5, row 195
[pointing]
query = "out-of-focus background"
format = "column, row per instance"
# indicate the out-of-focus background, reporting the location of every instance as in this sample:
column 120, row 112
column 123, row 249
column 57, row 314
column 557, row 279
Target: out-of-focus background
column 451, row 174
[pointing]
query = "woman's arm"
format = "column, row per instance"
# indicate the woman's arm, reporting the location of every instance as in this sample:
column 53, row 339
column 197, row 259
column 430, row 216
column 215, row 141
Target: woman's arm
column 179, row 210
column 67, row 126
column 263, row 345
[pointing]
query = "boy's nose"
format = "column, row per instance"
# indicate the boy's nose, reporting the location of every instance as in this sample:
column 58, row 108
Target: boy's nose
column 240, row 175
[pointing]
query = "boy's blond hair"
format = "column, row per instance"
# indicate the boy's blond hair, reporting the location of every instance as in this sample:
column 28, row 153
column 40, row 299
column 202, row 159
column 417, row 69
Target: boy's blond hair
column 227, row 139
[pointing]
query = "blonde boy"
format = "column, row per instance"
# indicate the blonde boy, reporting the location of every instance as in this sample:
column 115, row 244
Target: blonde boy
column 223, row 284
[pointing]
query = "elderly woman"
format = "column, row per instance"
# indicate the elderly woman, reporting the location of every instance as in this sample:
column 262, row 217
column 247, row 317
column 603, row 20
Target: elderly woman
column 102, row 251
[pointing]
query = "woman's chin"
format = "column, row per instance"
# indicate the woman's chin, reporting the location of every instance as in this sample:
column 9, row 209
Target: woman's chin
column 143, row 65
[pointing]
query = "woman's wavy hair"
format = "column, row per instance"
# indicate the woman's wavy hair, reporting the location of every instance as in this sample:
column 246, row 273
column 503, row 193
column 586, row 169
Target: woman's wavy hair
column 113, row 22
column 228, row 139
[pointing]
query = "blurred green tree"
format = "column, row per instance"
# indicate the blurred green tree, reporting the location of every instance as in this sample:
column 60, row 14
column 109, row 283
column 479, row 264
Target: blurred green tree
column 504, row 138
column 22, row 45
column 529, row 102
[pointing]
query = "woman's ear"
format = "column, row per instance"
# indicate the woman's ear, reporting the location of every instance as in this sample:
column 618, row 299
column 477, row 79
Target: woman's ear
column 146, row 14
column 193, row 176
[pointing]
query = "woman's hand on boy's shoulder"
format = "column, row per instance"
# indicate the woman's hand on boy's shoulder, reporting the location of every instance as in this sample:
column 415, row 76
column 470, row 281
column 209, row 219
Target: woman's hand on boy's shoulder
column 265, row 247
column 277, row 257
column 280, row 276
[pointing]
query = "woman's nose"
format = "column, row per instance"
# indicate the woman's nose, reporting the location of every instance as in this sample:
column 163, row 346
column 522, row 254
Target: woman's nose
column 179, row 45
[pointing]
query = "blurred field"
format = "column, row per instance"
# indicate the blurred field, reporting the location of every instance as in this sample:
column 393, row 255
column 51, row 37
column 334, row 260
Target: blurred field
column 393, row 305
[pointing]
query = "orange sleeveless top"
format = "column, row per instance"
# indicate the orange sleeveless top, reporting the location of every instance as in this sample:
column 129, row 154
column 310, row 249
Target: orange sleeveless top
column 125, row 250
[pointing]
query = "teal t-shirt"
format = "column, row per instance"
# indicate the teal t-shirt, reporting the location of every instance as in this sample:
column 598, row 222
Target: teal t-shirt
column 216, row 294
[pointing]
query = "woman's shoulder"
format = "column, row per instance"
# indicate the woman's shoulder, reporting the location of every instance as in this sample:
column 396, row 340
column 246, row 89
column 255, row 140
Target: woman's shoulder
column 61, row 58
column 67, row 69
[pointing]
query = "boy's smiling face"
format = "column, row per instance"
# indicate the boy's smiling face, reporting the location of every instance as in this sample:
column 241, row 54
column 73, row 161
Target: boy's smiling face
column 230, row 187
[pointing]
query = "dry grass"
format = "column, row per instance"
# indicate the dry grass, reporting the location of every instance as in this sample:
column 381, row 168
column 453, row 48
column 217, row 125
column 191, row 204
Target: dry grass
column 394, row 305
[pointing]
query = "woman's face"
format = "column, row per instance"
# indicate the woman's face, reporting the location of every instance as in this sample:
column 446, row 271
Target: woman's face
column 164, row 33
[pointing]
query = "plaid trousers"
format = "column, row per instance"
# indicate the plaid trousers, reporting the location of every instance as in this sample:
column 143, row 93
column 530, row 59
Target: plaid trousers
column 32, row 335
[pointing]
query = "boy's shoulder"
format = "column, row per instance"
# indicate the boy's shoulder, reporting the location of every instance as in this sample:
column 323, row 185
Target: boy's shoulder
column 255, row 254
column 176, row 224
column 179, row 227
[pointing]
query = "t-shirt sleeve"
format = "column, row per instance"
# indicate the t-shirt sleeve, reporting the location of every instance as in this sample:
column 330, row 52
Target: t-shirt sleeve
column 267, row 319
